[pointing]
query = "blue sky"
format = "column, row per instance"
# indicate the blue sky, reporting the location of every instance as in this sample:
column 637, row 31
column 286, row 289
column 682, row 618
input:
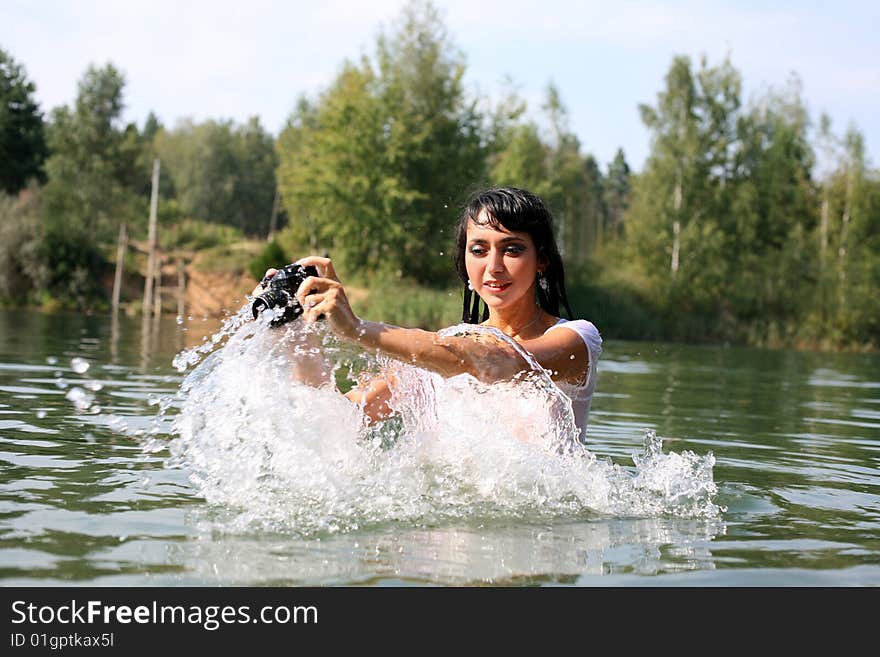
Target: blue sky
column 222, row 59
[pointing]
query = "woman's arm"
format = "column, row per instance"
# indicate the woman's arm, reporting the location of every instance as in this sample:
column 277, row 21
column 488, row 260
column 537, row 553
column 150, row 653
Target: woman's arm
column 372, row 395
column 483, row 356
column 563, row 353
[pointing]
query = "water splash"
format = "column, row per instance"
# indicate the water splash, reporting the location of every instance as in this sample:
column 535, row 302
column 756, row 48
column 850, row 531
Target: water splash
column 79, row 398
column 189, row 357
column 79, row 365
column 275, row 454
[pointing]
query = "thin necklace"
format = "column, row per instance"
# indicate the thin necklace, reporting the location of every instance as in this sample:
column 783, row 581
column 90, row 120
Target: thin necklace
column 523, row 328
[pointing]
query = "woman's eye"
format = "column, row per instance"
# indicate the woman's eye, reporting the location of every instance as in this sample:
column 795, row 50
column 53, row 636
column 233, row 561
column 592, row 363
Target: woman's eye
column 508, row 250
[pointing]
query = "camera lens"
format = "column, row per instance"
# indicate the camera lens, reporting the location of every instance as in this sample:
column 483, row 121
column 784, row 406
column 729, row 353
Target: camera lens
column 272, row 299
column 280, row 293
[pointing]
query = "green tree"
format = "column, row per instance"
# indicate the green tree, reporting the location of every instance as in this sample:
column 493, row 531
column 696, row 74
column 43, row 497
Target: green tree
column 95, row 182
column 272, row 256
column 220, row 172
column 94, row 177
column 594, row 209
column 152, row 125
column 373, row 166
column 334, row 176
column 773, row 214
column 521, row 159
column 23, row 270
column 679, row 207
column 22, row 139
column 846, row 310
column 565, row 178
column 515, row 153
column 569, row 182
column 434, row 133
column 256, row 184
column 617, row 192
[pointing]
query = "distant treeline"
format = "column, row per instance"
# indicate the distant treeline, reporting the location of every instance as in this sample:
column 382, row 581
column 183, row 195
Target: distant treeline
column 749, row 224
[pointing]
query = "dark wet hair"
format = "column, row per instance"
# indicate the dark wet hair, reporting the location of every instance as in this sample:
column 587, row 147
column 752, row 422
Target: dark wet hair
column 516, row 210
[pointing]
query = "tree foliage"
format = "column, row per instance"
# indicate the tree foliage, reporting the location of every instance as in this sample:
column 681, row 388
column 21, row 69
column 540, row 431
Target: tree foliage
column 95, row 170
column 617, row 192
column 96, row 180
column 748, row 223
column 219, row 172
column 569, row 181
column 22, row 138
column 373, row 169
column 23, row 271
column 733, row 234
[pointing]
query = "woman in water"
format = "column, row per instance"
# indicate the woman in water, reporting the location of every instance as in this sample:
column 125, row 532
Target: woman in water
column 507, row 258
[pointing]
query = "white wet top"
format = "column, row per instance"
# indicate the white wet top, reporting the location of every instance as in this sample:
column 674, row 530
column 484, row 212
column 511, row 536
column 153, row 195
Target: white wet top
column 582, row 395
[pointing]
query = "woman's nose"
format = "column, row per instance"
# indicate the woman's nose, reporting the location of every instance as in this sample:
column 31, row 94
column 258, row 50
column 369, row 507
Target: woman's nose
column 496, row 262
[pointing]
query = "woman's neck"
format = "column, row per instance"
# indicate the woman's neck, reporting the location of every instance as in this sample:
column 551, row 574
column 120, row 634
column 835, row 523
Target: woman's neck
column 524, row 322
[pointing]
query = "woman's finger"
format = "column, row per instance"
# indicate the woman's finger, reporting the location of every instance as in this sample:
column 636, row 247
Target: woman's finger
column 323, row 265
column 313, row 285
column 315, row 310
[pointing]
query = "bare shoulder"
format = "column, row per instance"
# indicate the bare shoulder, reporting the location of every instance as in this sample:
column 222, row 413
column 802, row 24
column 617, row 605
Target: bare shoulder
column 584, row 330
column 564, row 353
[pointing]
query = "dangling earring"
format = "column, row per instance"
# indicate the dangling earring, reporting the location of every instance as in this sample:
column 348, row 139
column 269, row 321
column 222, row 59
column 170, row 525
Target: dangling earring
column 543, row 283
column 470, row 287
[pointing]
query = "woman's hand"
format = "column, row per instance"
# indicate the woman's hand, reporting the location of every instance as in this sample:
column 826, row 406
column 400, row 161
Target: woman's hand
column 323, row 295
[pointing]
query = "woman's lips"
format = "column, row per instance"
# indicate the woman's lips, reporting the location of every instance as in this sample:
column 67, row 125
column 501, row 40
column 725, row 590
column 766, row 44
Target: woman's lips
column 496, row 286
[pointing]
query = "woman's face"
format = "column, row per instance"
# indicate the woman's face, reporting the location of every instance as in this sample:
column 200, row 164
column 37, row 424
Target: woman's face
column 501, row 265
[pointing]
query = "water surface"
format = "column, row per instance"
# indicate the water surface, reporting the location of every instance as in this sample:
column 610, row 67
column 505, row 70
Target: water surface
column 92, row 493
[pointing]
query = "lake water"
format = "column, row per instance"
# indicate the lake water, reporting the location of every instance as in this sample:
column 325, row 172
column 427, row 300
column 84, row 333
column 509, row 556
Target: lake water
column 767, row 474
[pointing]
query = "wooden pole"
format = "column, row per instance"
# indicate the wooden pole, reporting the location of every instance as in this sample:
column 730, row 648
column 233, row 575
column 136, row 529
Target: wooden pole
column 120, row 260
column 157, row 286
column 181, row 290
column 152, row 241
column 157, row 304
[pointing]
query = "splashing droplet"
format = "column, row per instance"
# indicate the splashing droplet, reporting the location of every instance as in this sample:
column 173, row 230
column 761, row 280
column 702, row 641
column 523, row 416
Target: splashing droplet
column 79, row 365
column 80, row 398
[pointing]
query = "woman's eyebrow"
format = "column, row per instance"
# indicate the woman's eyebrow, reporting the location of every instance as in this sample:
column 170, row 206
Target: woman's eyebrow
column 480, row 240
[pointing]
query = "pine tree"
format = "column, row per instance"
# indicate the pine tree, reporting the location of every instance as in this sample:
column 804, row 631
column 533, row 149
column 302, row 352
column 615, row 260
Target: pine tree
column 22, row 139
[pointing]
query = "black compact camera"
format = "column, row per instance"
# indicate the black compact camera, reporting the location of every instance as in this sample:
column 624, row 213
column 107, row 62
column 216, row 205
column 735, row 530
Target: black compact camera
column 279, row 291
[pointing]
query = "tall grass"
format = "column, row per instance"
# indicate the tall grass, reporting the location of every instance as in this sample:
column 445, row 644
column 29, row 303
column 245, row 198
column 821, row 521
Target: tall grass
column 402, row 302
